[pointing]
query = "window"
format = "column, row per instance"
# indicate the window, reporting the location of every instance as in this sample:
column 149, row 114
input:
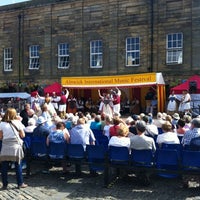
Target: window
column 34, row 58
column 96, row 54
column 174, row 45
column 63, row 55
column 8, row 59
column 132, row 51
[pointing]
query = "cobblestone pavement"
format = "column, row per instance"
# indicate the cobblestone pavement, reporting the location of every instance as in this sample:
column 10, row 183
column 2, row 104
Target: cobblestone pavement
column 57, row 186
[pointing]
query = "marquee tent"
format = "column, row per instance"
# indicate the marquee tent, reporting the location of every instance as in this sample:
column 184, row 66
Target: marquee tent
column 55, row 87
column 186, row 85
column 130, row 80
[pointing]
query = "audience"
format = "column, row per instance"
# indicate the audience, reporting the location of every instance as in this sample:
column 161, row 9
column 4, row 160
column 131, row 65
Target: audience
column 141, row 141
column 192, row 133
column 167, row 137
column 81, row 134
column 121, row 139
column 41, row 129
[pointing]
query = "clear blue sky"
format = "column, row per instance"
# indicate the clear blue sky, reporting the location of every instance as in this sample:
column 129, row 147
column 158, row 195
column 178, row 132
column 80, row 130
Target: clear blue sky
column 6, row 2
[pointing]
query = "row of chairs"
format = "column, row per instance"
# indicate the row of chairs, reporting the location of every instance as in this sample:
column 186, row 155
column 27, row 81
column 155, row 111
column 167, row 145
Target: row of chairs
column 167, row 161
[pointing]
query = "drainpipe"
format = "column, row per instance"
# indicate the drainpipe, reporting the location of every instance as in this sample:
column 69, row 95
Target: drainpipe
column 152, row 36
column 19, row 51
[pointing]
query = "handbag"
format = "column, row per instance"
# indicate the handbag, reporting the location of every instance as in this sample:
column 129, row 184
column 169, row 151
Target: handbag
column 21, row 143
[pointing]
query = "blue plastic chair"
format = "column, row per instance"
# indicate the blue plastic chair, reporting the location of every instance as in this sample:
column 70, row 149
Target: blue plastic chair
column 119, row 155
column 75, row 151
column 160, row 131
column 143, row 158
column 168, row 161
column 38, row 152
column 97, row 133
column 102, row 140
column 96, row 157
column 191, row 160
column 57, row 150
column 177, row 147
column 38, row 146
column 76, row 155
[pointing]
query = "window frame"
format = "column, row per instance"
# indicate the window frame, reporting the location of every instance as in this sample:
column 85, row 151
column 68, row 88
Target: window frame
column 174, row 48
column 96, row 54
column 34, row 57
column 8, row 59
column 64, row 55
column 133, row 52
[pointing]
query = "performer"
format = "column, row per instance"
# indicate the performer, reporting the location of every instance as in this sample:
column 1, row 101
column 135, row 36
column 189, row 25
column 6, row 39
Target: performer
column 106, row 104
column 171, row 107
column 50, row 107
column 36, row 103
column 148, row 98
column 63, row 103
column 54, row 100
column 72, row 105
column 116, row 95
column 185, row 102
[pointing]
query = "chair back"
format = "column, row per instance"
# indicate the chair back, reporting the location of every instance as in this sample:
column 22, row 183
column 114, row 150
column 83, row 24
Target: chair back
column 190, row 159
column 195, row 144
column 96, row 156
column 167, row 160
column 142, row 157
column 177, row 147
column 102, row 140
column 75, row 151
column 160, row 131
column 38, row 146
column 57, row 150
column 119, row 155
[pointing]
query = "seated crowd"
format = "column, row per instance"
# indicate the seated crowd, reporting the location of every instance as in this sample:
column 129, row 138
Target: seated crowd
column 135, row 132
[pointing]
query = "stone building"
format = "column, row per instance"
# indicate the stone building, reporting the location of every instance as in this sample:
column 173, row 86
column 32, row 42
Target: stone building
column 44, row 40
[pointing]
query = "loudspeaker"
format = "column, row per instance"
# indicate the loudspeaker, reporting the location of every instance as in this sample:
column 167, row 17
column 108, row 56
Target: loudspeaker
column 193, row 86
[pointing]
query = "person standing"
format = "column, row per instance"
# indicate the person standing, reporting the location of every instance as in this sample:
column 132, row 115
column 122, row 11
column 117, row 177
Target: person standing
column 63, row 103
column 184, row 105
column 11, row 132
column 148, row 98
column 106, row 105
column 171, row 107
column 71, row 105
column 116, row 101
column 54, row 100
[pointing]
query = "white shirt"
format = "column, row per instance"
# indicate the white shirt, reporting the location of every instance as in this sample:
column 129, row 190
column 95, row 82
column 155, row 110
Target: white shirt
column 119, row 141
column 168, row 138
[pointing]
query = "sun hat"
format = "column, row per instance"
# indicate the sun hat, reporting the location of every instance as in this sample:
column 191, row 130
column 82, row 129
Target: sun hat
column 176, row 116
column 41, row 120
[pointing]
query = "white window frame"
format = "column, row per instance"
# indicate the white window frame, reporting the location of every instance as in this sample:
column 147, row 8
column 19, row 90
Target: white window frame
column 8, row 59
column 132, row 51
column 96, row 54
column 174, row 48
column 34, row 57
column 63, row 55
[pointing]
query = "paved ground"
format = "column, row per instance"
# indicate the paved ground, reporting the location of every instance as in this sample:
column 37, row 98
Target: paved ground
column 57, row 186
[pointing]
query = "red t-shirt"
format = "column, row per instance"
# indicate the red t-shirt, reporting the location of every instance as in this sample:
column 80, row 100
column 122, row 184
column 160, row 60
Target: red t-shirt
column 113, row 130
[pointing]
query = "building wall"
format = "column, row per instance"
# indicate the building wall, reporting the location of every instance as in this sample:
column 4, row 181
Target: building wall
column 49, row 22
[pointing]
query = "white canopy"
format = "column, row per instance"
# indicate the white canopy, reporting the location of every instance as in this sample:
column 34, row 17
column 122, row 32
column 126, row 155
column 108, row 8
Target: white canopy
column 21, row 95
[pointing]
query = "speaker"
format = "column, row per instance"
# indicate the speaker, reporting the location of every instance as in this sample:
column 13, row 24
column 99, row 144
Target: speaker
column 193, row 86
